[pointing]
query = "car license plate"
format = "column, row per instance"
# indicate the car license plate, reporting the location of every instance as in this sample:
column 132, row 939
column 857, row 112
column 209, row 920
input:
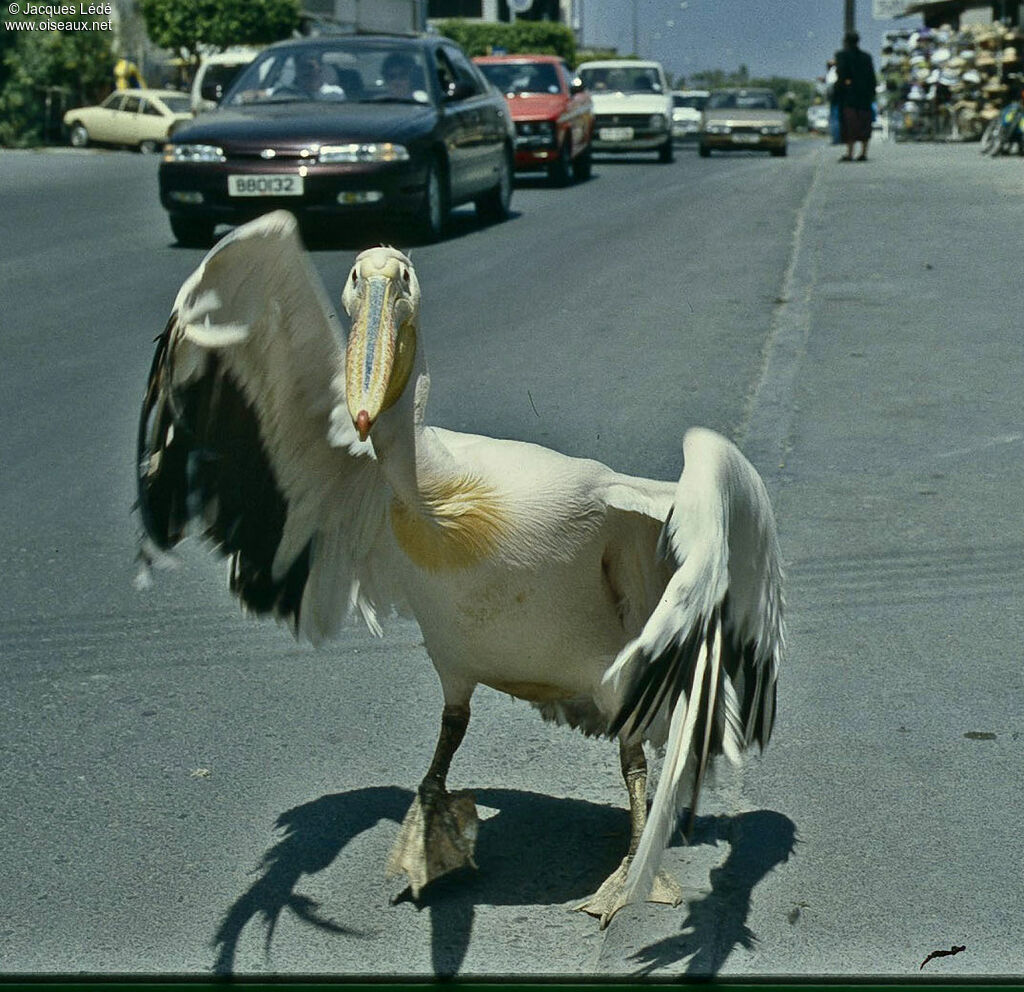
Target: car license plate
column 270, row 185
column 746, row 139
column 615, row 134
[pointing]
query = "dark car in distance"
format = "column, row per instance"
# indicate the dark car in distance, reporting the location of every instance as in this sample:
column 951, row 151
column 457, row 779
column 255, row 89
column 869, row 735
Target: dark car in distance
column 340, row 127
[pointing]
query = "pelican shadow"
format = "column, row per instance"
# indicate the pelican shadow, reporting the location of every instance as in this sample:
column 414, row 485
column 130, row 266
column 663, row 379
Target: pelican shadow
column 716, row 923
column 528, row 853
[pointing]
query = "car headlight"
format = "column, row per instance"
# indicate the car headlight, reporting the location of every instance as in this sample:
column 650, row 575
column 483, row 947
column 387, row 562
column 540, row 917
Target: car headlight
column 773, row 129
column 371, row 151
column 535, row 129
column 657, row 122
column 718, row 129
column 193, row 153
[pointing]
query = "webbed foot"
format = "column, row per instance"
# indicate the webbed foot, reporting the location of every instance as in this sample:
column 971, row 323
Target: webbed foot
column 437, row 836
column 609, row 899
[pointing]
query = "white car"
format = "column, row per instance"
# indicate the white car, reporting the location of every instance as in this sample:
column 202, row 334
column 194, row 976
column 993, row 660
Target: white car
column 632, row 106
column 686, row 108
column 143, row 119
column 216, row 73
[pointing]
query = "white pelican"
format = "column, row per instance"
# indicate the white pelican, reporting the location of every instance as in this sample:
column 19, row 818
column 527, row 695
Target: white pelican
column 641, row 610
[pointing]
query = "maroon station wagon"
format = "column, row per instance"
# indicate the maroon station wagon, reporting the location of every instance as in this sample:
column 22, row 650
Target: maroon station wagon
column 552, row 112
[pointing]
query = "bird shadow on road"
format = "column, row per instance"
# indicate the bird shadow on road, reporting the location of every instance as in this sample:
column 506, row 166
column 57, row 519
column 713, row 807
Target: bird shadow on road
column 535, row 850
column 531, row 850
column 716, row 923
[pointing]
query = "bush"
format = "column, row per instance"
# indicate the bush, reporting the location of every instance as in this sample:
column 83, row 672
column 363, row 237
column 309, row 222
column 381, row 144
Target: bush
column 544, row 37
column 74, row 67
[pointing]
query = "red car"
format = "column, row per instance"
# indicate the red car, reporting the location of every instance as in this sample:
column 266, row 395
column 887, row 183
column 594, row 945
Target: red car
column 552, row 113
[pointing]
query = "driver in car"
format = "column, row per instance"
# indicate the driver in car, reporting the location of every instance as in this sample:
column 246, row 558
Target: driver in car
column 310, row 81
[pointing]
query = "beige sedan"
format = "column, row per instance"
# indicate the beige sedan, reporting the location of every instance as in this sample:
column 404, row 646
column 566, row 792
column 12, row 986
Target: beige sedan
column 142, row 119
column 736, row 119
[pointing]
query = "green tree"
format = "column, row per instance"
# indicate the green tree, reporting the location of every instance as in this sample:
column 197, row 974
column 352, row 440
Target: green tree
column 44, row 72
column 190, row 26
column 542, row 37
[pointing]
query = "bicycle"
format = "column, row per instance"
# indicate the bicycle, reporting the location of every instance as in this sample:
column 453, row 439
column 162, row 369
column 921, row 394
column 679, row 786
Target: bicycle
column 1007, row 129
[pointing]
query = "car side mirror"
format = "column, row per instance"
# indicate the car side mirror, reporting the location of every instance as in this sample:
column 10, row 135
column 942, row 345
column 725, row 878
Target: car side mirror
column 576, row 86
column 211, row 91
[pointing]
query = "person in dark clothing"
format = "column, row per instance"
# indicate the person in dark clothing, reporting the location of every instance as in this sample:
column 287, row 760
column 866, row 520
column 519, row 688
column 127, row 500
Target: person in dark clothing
column 854, row 94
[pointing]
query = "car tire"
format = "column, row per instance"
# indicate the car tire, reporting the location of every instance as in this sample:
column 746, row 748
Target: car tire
column 560, row 171
column 667, row 152
column 148, row 147
column 703, row 151
column 582, row 165
column 78, row 136
column 192, row 232
column 779, row 152
column 430, row 220
column 493, row 206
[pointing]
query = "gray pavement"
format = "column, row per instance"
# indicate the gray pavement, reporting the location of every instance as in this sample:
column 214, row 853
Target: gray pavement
column 191, row 793
column 889, row 425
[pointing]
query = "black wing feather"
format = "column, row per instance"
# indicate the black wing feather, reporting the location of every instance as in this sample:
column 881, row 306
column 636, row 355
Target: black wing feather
column 201, row 459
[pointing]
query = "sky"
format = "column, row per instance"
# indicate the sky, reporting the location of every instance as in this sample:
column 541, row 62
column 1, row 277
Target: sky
column 771, row 37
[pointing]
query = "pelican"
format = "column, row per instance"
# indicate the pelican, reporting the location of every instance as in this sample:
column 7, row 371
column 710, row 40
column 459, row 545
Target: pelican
column 640, row 610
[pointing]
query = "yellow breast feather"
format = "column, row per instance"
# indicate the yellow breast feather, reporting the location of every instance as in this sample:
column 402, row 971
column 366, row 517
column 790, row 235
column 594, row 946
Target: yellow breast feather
column 457, row 524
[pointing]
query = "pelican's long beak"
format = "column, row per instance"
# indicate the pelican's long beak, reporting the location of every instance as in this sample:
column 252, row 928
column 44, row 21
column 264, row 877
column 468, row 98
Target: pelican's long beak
column 378, row 297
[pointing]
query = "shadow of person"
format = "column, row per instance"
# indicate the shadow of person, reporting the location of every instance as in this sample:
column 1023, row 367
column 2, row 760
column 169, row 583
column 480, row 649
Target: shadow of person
column 531, row 850
column 717, row 922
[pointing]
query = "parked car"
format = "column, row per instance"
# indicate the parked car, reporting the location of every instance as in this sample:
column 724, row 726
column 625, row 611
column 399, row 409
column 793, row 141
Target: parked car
column 686, row 109
column 143, row 119
column 552, row 112
column 342, row 126
column 632, row 105
column 743, row 119
column 215, row 75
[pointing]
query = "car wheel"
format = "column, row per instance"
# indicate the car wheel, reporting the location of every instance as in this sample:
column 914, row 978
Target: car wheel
column 79, row 136
column 581, row 165
column 667, row 152
column 703, row 151
column 192, row 232
column 432, row 217
column 493, row 206
column 148, row 147
column 560, row 171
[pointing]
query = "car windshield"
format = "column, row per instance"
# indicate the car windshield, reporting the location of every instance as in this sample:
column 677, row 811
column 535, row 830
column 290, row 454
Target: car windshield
column 524, row 77
column 344, row 71
column 176, row 104
column 630, row 79
column 691, row 102
column 743, row 100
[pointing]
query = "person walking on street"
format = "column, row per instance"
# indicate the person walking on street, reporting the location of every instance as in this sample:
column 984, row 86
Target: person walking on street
column 854, row 94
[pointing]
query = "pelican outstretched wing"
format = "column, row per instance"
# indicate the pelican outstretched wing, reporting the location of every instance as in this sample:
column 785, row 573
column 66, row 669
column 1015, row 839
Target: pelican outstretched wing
column 244, row 437
column 703, row 670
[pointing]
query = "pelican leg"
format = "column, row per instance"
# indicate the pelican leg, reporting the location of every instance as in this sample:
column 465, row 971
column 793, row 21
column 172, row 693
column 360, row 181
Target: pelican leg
column 609, row 899
column 438, row 833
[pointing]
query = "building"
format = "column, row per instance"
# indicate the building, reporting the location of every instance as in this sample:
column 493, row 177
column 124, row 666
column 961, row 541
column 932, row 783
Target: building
column 961, row 13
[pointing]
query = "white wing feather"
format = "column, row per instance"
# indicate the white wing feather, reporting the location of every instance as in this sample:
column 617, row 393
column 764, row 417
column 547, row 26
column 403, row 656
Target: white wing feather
column 703, row 669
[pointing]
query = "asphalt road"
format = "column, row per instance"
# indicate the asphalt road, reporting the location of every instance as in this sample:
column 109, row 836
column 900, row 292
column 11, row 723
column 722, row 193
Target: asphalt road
column 190, row 792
